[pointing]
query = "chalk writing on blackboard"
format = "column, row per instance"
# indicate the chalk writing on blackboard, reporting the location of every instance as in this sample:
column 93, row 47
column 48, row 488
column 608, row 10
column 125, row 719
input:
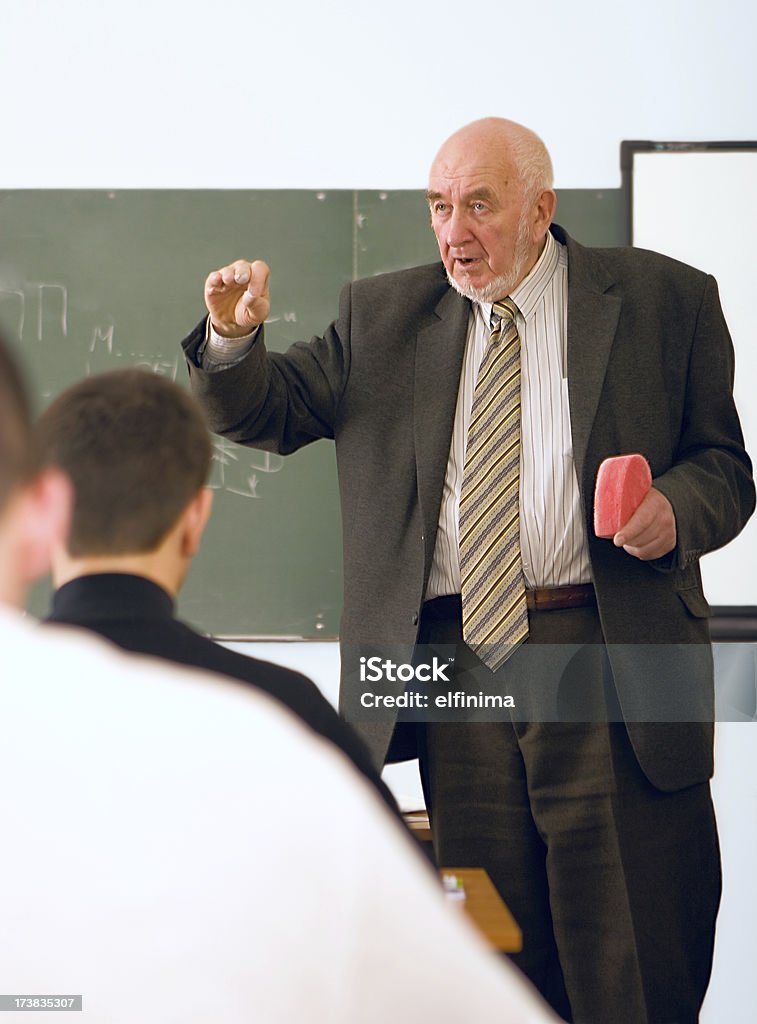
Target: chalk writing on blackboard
column 38, row 312
column 102, row 335
column 51, row 297
column 236, row 470
column 289, row 317
column 51, row 301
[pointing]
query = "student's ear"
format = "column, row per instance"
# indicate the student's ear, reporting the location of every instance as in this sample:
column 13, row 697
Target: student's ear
column 195, row 519
column 42, row 521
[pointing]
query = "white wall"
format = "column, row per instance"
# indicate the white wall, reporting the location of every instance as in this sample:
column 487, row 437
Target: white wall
column 294, row 94
column 176, row 93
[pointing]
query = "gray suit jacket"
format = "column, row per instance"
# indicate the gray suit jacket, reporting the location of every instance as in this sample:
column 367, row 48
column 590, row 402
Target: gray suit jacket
column 650, row 369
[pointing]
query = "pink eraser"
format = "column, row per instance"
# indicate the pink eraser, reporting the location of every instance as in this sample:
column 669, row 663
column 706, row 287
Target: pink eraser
column 622, row 483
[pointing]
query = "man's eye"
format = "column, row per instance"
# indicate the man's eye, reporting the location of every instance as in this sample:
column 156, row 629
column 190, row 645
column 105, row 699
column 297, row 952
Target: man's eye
column 440, row 207
column 478, row 206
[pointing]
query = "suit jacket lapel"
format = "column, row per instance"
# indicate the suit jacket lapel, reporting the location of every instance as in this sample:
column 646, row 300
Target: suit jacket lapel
column 438, row 360
column 592, row 322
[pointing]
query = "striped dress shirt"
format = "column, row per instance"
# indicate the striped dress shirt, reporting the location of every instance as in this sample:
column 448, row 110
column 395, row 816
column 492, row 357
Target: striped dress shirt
column 552, row 536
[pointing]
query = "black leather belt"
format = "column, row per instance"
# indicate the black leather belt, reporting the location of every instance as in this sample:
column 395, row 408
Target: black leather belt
column 553, row 598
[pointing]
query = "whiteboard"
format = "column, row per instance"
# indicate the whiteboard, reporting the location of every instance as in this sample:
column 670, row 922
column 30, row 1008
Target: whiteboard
column 695, row 202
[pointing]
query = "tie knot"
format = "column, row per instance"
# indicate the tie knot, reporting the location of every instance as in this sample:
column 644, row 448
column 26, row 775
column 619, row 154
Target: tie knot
column 505, row 309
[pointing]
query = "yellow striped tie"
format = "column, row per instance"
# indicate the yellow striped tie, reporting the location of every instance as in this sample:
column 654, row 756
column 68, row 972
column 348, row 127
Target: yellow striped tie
column 495, row 617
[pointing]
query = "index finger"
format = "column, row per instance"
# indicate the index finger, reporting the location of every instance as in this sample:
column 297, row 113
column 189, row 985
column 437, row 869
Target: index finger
column 259, row 272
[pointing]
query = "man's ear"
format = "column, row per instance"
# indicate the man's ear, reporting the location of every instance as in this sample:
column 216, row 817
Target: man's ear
column 195, row 517
column 544, row 211
column 42, row 521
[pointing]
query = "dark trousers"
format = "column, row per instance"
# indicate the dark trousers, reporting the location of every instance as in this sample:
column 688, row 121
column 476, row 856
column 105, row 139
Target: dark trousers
column 614, row 883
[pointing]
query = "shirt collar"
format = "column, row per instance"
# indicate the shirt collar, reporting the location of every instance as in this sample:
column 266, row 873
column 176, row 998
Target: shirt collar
column 108, row 596
column 531, row 289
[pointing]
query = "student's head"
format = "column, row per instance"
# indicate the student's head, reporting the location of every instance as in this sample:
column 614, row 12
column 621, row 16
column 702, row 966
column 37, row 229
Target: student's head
column 491, row 202
column 137, row 449
column 34, row 506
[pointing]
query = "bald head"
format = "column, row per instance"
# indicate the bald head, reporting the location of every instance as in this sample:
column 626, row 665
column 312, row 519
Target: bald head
column 491, row 200
column 508, row 148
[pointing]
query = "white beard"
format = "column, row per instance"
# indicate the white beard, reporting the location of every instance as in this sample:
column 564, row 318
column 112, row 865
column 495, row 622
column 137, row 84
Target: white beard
column 503, row 284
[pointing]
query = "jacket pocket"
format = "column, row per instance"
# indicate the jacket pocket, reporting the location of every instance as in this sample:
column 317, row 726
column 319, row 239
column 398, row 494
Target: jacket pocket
column 695, row 602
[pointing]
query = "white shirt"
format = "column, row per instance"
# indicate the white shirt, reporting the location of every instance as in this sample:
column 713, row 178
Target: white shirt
column 178, row 849
column 553, row 540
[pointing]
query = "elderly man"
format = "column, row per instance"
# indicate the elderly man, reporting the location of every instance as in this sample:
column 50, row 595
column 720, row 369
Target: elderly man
column 472, row 403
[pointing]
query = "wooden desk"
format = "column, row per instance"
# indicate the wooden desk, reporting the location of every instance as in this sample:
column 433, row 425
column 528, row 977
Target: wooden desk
column 484, row 905
column 417, row 822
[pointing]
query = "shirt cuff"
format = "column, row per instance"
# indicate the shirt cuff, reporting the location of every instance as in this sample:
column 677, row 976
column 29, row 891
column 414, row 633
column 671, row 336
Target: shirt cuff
column 219, row 353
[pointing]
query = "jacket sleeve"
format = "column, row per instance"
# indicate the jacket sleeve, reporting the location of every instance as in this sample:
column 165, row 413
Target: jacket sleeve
column 710, row 486
column 276, row 401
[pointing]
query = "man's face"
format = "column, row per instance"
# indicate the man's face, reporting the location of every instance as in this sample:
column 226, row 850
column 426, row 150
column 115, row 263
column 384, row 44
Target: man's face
column 483, row 225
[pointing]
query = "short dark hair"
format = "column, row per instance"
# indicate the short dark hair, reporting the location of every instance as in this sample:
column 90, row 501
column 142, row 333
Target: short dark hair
column 137, row 449
column 15, row 425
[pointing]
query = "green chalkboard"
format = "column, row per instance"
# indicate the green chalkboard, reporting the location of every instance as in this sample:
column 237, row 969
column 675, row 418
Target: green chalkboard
column 93, row 280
